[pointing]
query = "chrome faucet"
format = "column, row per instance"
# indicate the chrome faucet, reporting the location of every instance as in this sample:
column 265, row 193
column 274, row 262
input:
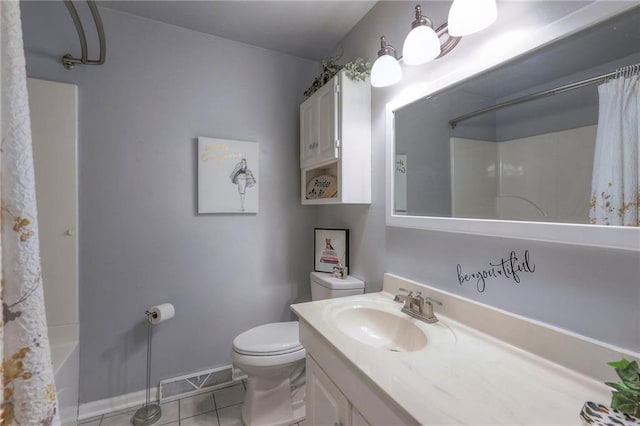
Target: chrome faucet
column 417, row 306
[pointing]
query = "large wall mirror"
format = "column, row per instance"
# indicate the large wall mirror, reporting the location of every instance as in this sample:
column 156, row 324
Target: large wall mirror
column 510, row 151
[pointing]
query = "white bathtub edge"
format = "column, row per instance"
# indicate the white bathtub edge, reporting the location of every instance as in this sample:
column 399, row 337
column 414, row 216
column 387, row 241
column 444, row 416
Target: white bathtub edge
column 63, row 339
column 65, row 357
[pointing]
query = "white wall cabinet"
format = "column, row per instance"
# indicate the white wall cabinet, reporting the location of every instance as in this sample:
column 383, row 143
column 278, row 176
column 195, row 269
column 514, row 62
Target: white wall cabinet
column 335, row 140
column 318, row 117
column 326, row 405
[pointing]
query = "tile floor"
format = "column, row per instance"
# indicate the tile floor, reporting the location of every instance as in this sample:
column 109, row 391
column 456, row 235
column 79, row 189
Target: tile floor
column 218, row 408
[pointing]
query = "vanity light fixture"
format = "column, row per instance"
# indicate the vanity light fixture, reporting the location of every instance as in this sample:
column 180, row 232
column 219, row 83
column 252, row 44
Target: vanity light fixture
column 423, row 43
column 386, row 69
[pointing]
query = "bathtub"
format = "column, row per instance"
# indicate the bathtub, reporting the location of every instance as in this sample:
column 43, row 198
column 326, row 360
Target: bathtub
column 65, row 357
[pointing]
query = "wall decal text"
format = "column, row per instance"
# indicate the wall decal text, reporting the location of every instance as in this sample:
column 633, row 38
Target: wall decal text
column 510, row 267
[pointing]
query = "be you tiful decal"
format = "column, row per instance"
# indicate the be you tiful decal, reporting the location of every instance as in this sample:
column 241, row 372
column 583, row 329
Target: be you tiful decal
column 511, row 267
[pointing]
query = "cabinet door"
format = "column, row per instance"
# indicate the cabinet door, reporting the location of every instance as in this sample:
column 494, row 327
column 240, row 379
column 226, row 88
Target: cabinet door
column 326, row 405
column 327, row 102
column 308, row 131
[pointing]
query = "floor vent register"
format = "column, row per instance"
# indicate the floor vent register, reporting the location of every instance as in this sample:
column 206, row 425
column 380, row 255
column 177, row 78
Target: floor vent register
column 199, row 382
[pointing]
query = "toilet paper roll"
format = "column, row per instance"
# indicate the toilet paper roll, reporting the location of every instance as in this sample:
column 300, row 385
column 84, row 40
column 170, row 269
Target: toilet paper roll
column 161, row 313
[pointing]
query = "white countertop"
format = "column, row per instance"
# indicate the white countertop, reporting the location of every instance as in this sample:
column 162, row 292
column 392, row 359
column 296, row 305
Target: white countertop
column 462, row 376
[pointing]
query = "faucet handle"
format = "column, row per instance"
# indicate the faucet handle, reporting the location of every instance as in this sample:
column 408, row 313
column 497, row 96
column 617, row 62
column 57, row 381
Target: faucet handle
column 410, row 293
column 437, row 302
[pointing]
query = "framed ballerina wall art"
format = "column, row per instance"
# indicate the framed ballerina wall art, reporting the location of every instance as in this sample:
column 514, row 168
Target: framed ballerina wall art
column 228, row 180
column 331, row 249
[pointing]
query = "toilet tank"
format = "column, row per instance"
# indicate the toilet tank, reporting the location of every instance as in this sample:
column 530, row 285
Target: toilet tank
column 326, row 286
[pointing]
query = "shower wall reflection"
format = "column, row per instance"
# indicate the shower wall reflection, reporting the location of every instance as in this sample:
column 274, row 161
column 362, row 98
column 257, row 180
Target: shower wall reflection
column 545, row 177
column 532, row 161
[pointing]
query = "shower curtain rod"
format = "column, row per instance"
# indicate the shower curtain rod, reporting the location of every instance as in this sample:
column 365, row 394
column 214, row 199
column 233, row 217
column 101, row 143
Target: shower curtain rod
column 631, row 69
column 69, row 61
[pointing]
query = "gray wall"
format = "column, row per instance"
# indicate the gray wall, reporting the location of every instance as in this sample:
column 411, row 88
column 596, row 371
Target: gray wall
column 591, row 291
column 141, row 240
column 422, row 132
column 420, row 135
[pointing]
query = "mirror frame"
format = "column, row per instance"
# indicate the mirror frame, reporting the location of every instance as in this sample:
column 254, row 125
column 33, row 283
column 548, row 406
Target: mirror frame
column 616, row 237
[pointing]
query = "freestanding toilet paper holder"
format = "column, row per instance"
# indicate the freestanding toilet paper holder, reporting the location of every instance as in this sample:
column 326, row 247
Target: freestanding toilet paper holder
column 149, row 413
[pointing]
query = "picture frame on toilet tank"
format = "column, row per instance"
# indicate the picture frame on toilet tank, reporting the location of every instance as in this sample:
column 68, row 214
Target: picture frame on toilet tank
column 228, row 176
column 331, row 248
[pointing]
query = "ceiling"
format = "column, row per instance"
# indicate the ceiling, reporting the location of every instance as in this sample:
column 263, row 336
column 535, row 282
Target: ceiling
column 307, row 29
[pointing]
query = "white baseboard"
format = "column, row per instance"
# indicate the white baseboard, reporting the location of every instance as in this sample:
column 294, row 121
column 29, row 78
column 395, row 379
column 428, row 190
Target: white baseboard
column 124, row 402
column 109, row 405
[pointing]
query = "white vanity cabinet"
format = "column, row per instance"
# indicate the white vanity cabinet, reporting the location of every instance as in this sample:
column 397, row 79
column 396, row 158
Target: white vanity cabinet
column 339, row 395
column 326, row 405
column 330, row 406
column 335, row 140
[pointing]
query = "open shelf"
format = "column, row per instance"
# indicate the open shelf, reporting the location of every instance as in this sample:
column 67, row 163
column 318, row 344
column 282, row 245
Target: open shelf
column 311, row 173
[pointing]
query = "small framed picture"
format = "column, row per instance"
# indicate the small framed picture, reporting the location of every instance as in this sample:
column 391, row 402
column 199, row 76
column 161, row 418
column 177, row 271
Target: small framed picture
column 331, row 249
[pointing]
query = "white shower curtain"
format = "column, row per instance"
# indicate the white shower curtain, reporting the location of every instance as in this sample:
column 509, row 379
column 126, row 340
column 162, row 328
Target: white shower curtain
column 28, row 394
column 615, row 194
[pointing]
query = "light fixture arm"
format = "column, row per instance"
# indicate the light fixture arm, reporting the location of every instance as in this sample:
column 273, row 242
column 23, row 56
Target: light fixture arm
column 386, row 49
column 450, row 43
column 421, row 19
column 443, row 30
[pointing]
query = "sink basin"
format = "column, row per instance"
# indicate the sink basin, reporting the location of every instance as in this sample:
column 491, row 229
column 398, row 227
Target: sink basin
column 378, row 323
column 380, row 328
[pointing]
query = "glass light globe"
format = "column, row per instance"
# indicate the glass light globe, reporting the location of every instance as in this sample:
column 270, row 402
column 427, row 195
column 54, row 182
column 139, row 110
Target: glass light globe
column 421, row 45
column 385, row 71
column 470, row 16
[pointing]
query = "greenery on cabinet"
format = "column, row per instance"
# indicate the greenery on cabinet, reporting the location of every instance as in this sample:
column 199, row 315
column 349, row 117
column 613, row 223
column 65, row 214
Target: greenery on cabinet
column 357, row 70
column 626, row 393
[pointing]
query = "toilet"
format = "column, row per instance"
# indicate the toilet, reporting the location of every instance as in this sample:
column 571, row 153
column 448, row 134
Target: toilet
column 274, row 360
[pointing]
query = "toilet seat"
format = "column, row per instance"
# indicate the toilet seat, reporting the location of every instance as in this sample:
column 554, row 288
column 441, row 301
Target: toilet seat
column 244, row 362
column 269, row 345
column 279, row 338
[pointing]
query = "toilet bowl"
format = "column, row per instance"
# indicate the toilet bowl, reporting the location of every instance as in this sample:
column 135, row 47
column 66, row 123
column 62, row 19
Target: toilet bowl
column 274, row 360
